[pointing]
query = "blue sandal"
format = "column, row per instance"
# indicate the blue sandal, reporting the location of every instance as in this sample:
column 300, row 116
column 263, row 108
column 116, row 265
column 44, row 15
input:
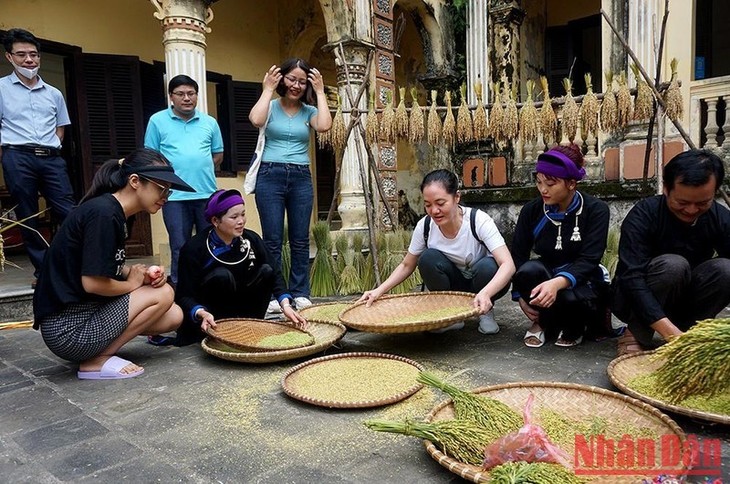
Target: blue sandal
column 160, row 340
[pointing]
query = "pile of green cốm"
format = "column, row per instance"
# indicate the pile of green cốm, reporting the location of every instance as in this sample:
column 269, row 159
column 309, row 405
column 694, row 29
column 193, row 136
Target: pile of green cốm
column 497, row 418
column 290, row 339
column 532, row 473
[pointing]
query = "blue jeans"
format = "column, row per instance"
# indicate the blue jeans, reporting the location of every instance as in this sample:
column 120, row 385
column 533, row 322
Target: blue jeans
column 180, row 217
column 280, row 187
column 440, row 274
column 26, row 175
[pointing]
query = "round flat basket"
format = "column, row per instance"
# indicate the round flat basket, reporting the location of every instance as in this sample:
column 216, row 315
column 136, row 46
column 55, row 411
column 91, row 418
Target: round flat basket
column 624, row 369
column 259, row 335
column 353, row 380
column 325, row 312
column 409, row 313
column 617, row 414
column 325, row 335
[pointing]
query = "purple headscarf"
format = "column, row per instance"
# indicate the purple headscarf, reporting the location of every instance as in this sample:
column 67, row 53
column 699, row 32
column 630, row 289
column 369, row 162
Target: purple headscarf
column 558, row 165
column 221, row 201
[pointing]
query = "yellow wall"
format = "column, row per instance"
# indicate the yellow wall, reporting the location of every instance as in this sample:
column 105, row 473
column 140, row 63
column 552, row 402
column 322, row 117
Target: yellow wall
column 560, row 12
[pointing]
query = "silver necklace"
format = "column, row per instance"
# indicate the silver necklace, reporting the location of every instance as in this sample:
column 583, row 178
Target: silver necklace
column 245, row 250
column 575, row 236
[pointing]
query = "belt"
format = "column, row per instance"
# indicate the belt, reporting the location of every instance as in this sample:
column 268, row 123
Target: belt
column 42, row 151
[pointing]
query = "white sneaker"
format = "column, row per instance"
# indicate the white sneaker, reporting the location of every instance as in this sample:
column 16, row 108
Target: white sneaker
column 302, row 302
column 453, row 327
column 487, row 324
column 274, row 307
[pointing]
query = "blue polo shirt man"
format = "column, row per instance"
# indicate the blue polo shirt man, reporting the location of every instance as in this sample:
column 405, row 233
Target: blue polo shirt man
column 33, row 116
column 192, row 142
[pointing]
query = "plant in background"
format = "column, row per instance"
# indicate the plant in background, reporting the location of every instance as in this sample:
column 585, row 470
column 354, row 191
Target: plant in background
column 7, row 223
column 610, row 255
column 322, row 274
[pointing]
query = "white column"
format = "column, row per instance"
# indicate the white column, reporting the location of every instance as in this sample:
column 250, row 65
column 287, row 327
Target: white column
column 645, row 17
column 184, row 26
column 477, row 66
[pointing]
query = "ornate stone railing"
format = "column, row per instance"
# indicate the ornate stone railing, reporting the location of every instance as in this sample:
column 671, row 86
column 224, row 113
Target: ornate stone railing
column 710, row 115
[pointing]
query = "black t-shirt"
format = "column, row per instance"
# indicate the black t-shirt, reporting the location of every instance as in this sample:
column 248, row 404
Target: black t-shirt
column 90, row 242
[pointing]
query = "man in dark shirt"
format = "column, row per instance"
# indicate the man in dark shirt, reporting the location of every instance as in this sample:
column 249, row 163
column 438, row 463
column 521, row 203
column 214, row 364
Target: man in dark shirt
column 673, row 265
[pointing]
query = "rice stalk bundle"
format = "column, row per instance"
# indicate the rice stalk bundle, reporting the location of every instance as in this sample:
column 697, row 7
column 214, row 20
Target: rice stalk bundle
column 589, row 109
column 644, row 102
column 401, row 116
column 449, row 129
column 387, row 122
column 496, row 117
column 510, row 126
column 322, row 274
column 497, row 418
column 416, row 128
column 371, row 122
column 350, row 281
column 286, row 255
column 649, row 386
column 624, row 102
column 569, row 122
column 464, row 126
column 463, row 440
column 528, row 116
column 434, row 122
column 324, row 139
column 696, row 362
column 341, row 247
column 359, row 258
column 368, row 272
column 338, row 128
column 479, row 118
column 610, row 255
column 548, row 118
column 609, row 106
column 532, row 473
column 673, row 96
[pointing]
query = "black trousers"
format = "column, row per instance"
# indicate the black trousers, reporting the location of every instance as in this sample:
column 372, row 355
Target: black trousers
column 575, row 311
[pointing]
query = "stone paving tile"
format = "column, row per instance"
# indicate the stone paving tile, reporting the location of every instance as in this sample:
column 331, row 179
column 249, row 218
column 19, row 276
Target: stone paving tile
column 30, row 408
column 89, row 457
column 59, row 434
column 35, row 363
column 143, row 470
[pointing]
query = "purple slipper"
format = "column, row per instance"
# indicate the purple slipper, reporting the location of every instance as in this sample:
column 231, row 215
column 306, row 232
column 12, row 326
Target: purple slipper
column 111, row 370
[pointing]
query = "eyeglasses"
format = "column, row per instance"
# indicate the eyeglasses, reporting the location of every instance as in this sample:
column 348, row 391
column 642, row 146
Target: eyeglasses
column 294, row 80
column 164, row 191
column 23, row 55
column 183, row 94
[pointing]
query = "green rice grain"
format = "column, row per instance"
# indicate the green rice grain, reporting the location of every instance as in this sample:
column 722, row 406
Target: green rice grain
column 290, row 339
column 650, row 386
column 532, row 473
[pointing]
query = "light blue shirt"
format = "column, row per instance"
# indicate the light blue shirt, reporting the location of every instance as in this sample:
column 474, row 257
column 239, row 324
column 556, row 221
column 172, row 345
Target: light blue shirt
column 30, row 115
column 287, row 137
column 189, row 146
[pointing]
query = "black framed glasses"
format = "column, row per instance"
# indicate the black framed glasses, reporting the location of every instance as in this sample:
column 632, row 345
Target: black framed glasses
column 164, row 191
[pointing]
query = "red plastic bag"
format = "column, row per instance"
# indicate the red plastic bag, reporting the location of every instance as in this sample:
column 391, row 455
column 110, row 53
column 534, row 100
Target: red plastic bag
column 528, row 444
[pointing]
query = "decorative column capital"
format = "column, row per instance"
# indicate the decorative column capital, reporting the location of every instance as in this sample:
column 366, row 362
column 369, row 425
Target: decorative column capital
column 184, row 15
column 506, row 12
column 356, row 57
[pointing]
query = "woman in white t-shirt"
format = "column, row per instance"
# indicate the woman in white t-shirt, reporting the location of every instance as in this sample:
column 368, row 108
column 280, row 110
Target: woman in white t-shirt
column 457, row 251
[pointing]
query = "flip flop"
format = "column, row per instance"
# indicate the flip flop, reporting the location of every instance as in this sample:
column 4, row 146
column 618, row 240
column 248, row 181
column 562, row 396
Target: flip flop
column 539, row 335
column 160, row 340
column 567, row 343
column 110, row 370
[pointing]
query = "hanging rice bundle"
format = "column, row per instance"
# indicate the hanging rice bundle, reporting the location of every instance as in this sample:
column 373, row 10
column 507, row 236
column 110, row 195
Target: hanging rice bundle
column 673, row 96
column 532, row 473
column 415, row 123
column 511, row 124
column 401, row 115
column 371, row 122
column 322, row 274
column 528, row 116
column 492, row 415
column 463, row 440
column 643, row 104
column 569, row 121
column 387, row 121
column 696, row 362
column 464, row 126
column 449, row 130
column 324, row 139
column 481, row 128
column 496, row 117
column 434, row 122
column 624, row 102
column 609, row 106
column 338, row 128
column 589, row 109
column 548, row 118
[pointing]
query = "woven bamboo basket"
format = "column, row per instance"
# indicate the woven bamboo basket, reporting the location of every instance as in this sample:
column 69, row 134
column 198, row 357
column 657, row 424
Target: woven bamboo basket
column 249, row 334
column 409, row 313
column 325, row 335
column 289, row 380
column 625, row 368
column 570, row 400
column 312, row 313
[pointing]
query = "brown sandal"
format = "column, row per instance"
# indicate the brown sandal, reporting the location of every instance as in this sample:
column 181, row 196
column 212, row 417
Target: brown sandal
column 628, row 345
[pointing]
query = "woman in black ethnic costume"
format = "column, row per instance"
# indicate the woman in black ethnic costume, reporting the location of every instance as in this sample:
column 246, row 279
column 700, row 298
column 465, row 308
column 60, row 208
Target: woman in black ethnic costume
column 564, row 290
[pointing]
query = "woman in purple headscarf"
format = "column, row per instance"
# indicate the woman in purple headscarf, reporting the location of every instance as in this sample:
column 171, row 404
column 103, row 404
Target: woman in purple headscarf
column 226, row 271
column 564, row 290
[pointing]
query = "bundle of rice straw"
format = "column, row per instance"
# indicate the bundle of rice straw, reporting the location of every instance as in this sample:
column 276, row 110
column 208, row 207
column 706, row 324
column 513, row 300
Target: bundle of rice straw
column 548, row 118
column 481, row 127
column 624, row 102
column 415, row 123
column 589, row 109
column 338, row 128
column 392, row 258
column 324, row 139
column 528, row 116
column 496, row 117
column 609, row 106
column 569, row 121
column 387, row 122
column 349, row 277
column 371, row 122
column 449, row 129
column 510, row 125
column 434, row 122
column 643, row 103
column 341, row 247
column 533, row 473
column 464, row 127
column 401, row 115
column 322, row 274
column 673, row 96
column 359, row 258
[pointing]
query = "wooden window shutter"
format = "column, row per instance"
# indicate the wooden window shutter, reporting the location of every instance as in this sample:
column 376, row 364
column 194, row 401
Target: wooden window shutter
column 239, row 98
column 154, row 93
column 558, row 58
